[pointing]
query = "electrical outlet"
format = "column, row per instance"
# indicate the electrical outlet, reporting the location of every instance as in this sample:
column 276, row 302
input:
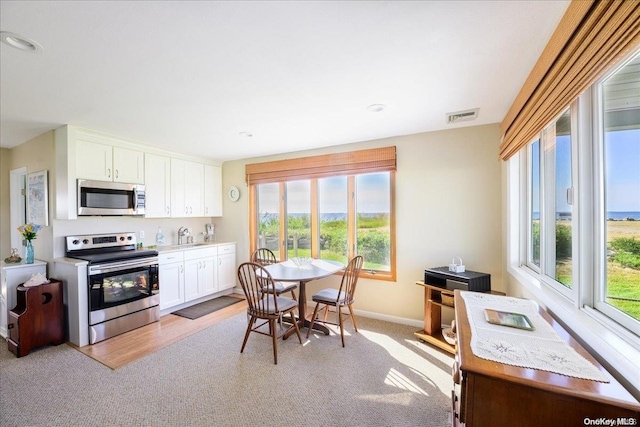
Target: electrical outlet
column 142, row 234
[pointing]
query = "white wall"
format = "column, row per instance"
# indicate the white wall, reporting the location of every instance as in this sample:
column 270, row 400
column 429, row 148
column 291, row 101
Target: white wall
column 448, row 203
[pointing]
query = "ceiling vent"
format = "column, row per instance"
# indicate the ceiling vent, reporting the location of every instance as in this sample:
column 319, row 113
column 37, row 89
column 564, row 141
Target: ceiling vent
column 462, row 116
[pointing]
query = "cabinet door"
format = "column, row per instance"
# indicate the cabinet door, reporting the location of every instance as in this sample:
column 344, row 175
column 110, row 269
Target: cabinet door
column 212, row 190
column 178, row 184
column 207, row 277
column 94, row 161
column 157, row 178
column 128, row 166
column 171, row 284
column 191, row 273
column 194, row 188
column 226, row 271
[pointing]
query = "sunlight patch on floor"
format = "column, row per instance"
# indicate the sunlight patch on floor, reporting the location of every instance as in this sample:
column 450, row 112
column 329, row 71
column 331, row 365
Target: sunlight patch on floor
column 400, row 352
column 396, row 379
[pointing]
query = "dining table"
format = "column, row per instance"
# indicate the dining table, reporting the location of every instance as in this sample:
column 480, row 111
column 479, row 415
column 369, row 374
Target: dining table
column 288, row 271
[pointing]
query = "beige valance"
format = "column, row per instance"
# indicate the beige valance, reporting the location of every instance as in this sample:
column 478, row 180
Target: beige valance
column 591, row 37
column 349, row 163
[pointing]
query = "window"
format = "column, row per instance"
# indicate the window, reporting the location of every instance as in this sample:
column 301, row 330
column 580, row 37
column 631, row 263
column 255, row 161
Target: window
column 582, row 204
column 618, row 293
column 331, row 207
column 549, row 180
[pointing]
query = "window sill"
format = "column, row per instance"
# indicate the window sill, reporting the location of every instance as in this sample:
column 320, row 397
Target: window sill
column 620, row 356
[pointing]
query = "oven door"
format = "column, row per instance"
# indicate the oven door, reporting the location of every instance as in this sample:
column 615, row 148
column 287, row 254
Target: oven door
column 121, row 283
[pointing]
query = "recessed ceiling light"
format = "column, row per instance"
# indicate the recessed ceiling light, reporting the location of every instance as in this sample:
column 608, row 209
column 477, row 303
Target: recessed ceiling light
column 246, row 134
column 376, row 108
column 17, row 41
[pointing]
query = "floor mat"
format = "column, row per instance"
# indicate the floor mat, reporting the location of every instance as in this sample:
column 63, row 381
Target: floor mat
column 207, row 307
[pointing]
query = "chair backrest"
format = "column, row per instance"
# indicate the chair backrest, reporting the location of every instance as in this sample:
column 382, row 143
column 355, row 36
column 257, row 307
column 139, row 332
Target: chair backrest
column 263, row 256
column 350, row 278
column 254, row 280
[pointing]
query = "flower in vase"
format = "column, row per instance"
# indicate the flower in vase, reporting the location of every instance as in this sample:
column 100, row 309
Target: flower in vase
column 29, row 231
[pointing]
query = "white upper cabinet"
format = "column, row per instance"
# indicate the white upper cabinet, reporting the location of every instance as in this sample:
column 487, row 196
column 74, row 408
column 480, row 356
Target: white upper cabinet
column 177, row 186
column 187, row 183
column 157, row 178
column 128, row 166
column 212, row 190
column 104, row 162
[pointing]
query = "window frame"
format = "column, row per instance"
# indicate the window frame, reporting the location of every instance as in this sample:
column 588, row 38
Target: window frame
column 589, row 275
column 315, row 222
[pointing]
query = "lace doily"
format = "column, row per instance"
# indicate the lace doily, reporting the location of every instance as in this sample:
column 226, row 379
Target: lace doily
column 541, row 349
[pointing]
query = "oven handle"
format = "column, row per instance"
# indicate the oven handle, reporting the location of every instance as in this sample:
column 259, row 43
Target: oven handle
column 121, row 265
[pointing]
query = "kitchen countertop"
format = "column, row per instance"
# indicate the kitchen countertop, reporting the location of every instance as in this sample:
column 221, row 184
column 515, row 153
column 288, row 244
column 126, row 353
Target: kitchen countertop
column 188, row 246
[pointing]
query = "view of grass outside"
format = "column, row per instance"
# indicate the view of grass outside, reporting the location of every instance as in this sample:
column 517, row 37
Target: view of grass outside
column 623, row 261
column 623, row 266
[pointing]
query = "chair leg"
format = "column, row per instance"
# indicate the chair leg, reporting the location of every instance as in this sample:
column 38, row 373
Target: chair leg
column 272, row 328
column 326, row 312
column 341, row 323
column 313, row 319
column 295, row 325
column 353, row 318
column 246, row 334
column 293, row 295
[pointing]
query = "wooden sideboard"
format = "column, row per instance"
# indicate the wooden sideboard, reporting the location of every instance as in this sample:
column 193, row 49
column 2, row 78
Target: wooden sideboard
column 488, row 393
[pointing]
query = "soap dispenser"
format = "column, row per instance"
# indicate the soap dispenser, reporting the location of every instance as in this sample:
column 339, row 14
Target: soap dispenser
column 159, row 237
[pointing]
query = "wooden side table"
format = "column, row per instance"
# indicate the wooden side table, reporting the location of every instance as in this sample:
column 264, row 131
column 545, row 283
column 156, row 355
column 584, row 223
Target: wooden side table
column 434, row 299
column 37, row 319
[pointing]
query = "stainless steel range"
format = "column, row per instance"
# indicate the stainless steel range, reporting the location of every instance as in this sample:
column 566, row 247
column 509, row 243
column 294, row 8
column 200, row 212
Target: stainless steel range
column 124, row 290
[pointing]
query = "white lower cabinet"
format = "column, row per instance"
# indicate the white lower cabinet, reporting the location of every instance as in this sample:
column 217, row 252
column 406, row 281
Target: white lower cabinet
column 171, row 272
column 226, row 267
column 195, row 273
column 200, row 271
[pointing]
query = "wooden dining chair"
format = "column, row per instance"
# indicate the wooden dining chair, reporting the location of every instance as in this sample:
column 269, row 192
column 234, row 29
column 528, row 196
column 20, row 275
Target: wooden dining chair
column 338, row 298
column 265, row 305
column 264, row 256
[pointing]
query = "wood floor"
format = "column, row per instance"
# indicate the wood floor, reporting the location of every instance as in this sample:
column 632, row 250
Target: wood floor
column 122, row 349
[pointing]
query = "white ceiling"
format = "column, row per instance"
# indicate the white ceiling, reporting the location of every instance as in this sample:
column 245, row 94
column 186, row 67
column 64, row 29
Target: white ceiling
column 191, row 76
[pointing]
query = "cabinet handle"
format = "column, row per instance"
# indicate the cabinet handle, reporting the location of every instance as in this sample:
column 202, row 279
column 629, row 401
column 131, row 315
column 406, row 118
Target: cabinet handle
column 167, row 210
column 186, row 209
column 108, row 173
column 116, row 173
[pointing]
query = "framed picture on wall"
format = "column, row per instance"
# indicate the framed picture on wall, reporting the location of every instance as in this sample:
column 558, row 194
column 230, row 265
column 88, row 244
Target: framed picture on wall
column 38, row 198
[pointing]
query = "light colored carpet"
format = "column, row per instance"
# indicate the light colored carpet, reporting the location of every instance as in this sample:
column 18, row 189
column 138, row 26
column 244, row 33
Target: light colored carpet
column 384, row 377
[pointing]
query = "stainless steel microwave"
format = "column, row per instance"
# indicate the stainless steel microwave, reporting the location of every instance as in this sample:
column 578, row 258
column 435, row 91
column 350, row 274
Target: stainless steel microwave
column 110, row 198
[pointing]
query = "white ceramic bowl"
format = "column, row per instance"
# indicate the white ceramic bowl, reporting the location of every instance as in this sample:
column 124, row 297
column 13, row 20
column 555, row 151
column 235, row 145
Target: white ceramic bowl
column 449, row 336
column 302, row 262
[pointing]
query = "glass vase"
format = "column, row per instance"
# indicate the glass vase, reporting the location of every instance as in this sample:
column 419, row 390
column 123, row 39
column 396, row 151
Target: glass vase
column 28, row 253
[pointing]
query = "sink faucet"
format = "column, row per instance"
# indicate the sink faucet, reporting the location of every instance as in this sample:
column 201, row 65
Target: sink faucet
column 182, row 232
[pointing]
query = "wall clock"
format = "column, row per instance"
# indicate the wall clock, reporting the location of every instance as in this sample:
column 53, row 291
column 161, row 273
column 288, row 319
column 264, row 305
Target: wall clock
column 234, row 194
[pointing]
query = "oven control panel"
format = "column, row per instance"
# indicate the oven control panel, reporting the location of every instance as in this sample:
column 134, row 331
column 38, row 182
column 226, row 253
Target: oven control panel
column 97, row 241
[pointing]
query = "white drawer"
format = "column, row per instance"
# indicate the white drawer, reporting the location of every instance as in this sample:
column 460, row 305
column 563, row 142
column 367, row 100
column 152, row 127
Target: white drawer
column 226, row 249
column 209, row 251
column 169, row 257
